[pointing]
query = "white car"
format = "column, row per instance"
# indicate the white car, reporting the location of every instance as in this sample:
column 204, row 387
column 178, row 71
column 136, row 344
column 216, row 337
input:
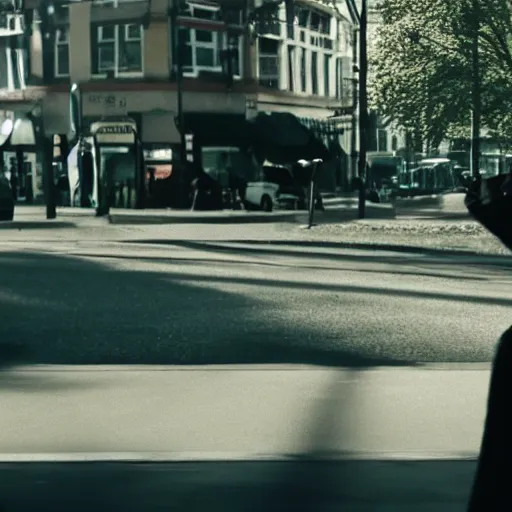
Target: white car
column 277, row 189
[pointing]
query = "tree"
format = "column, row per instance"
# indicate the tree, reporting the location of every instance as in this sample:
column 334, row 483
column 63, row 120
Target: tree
column 421, row 65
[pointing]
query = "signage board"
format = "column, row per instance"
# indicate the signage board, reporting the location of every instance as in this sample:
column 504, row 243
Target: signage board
column 110, row 132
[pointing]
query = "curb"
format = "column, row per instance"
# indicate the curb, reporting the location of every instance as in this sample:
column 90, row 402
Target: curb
column 42, row 224
column 490, row 259
column 127, row 219
column 163, row 457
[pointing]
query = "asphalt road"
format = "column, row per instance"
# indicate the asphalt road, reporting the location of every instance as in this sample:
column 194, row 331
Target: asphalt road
column 194, row 302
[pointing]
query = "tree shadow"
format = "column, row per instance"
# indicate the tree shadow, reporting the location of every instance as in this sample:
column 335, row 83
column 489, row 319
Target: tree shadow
column 266, row 248
column 183, row 260
column 65, row 310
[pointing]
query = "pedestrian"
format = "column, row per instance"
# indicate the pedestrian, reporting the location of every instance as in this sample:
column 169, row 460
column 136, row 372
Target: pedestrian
column 489, row 203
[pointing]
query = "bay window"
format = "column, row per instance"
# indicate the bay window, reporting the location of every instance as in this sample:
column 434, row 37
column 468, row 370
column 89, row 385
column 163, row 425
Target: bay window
column 117, row 50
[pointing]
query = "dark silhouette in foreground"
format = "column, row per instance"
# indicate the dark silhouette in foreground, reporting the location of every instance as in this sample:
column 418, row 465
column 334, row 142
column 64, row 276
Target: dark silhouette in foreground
column 490, row 203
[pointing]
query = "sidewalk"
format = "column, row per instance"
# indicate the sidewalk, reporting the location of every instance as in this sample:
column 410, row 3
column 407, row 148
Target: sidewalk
column 241, row 413
column 337, row 210
column 388, row 440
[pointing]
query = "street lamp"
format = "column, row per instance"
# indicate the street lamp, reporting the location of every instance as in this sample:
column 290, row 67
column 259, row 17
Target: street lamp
column 178, row 44
column 476, row 99
column 363, row 107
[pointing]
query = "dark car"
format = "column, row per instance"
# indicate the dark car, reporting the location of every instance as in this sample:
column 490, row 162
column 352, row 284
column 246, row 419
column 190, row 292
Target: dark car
column 6, row 199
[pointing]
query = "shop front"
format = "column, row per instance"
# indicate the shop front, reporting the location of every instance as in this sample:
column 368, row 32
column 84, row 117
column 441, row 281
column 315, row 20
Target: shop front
column 26, row 117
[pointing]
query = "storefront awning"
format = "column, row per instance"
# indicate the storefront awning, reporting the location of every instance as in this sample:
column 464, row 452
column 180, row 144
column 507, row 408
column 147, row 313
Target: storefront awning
column 218, row 129
column 283, row 139
column 23, row 133
column 6, row 126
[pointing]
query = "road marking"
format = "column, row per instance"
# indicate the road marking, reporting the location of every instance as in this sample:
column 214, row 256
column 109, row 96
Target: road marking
column 251, row 367
column 230, row 457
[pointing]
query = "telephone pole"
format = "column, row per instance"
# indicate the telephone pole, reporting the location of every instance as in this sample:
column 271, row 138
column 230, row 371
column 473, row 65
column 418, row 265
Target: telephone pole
column 363, row 106
column 476, row 100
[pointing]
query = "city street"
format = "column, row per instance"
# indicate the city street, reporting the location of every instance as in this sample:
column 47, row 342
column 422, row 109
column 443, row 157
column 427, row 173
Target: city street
column 311, row 350
column 199, row 302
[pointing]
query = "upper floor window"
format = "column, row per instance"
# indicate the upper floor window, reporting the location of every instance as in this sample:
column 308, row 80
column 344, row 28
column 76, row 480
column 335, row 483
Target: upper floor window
column 62, row 53
column 313, row 20
column 201, row 51
column 268, row 62
column 117, row 49
column 201, row 11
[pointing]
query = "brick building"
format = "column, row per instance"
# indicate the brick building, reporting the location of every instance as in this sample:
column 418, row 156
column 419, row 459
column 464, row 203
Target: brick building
column 123, row 55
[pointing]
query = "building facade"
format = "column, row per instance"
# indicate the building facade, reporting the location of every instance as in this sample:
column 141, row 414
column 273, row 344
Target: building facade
column 125, row 55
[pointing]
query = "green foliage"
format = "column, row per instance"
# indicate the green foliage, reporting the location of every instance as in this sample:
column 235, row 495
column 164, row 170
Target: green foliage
column 421, row 65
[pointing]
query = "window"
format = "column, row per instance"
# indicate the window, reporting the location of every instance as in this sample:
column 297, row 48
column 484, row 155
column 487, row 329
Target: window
column 234, row 44
column 327, row 75
column 268, row 62
column 314, row 72
column 302, row 16
column 106, row 49
column 394, row 143
column 117, row 49
column 339, row 85
column 303, row 71
column 61, row 53
column 202, row 12
column 291, row 67
column 200, row 51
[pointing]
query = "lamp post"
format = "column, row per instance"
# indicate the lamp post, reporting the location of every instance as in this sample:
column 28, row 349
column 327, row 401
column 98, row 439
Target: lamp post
column 476, row 100
column 178, row 59
column 363, row 107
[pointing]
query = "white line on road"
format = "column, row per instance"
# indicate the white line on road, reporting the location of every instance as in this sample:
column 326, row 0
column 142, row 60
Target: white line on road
column 248, row 367
column 229, row 457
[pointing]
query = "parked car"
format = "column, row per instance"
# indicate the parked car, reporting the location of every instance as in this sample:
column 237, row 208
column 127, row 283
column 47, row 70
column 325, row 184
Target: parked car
column 276, row 189
column 6, row 199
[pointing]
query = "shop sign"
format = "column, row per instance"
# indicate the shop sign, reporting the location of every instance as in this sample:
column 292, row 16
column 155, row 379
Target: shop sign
column 114, row 133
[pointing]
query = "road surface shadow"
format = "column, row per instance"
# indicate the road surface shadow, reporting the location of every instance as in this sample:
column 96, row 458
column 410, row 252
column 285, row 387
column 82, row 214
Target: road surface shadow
column 264, row 247
column 65, row 310
column 369, row 486
column 225, row 262
column 348, row 289
column 21, row 225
